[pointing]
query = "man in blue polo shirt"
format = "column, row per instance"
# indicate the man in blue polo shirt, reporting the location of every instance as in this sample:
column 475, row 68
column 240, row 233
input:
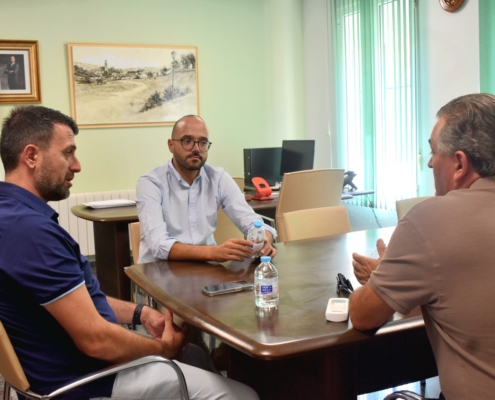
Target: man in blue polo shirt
column 60, row 323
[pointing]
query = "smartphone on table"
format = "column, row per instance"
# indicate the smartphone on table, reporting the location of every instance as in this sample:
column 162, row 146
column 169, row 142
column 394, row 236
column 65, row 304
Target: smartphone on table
column 227, row 287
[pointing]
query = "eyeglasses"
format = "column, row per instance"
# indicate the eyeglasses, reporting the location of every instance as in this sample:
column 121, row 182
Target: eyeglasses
column 344, row 284
column 188, row 144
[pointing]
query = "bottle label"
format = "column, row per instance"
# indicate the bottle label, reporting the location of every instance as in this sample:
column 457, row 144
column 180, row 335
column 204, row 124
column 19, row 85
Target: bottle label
column 265, row 290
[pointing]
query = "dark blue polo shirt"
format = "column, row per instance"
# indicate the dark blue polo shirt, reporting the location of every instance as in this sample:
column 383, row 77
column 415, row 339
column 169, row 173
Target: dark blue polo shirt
column 40, row 263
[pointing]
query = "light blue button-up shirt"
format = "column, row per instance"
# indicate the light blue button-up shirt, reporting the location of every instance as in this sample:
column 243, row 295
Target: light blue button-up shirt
column 171, row 210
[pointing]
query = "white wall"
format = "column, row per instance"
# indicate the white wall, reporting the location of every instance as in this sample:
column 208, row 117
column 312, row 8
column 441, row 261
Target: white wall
column 320, row 121
column 284, row 42
column 251, row 69
column 448, row 67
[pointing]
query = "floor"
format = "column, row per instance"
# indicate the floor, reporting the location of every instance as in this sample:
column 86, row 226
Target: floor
column 364, row 218
column 13, row 396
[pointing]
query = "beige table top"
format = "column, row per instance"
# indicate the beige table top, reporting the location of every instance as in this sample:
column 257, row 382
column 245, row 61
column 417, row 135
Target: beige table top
column 114, row 214
column 307, row 279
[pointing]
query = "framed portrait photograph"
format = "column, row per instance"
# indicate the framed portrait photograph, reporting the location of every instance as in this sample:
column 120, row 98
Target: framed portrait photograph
column 19, row 72
column 114, row 85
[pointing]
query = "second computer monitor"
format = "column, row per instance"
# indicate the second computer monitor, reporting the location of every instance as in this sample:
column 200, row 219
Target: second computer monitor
column 297, row 155
column 264, row 163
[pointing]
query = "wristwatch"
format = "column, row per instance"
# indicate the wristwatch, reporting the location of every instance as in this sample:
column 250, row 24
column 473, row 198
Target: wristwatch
column 136, row 318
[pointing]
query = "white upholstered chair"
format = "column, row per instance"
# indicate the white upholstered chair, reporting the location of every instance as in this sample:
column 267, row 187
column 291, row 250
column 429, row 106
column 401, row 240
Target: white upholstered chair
column 240, row 182
column 225, row 228
column 304, row 190
column 316, row 222
column 403, row 206
column 135, row 233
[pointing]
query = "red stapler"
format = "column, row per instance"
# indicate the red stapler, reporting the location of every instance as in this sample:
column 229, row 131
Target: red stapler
column 263, row 190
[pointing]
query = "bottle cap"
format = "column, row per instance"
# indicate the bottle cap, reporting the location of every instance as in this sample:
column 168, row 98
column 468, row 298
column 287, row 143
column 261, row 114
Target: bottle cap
column 265, row 259
column 257, row 224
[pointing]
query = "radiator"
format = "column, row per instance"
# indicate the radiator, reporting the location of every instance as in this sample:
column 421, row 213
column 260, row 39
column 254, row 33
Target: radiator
column 80, row 229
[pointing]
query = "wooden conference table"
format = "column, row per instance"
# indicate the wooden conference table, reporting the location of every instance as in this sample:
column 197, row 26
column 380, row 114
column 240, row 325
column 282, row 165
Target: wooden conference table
column 112, row 248
column 292, row 352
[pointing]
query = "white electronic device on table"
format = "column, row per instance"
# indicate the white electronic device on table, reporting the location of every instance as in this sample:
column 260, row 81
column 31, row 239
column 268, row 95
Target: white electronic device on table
column 337, row 309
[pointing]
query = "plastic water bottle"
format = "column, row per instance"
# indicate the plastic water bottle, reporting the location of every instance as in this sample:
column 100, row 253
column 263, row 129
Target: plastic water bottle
column 266, row 284
column 256, row 234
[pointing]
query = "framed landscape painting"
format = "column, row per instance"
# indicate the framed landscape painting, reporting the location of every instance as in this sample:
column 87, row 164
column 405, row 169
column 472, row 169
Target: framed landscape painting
column 19, row 72
column 116, row 85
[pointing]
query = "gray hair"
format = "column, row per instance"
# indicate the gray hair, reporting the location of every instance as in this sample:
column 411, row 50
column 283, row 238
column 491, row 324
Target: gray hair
column 470, row 127
column 29, row 125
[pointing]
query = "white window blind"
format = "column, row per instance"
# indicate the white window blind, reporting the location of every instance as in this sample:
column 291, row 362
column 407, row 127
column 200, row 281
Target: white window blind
column 375, row 56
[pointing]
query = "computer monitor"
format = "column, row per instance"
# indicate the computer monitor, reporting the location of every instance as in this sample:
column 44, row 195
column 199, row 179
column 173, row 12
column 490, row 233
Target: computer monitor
column 263, row 162
column 297, row 155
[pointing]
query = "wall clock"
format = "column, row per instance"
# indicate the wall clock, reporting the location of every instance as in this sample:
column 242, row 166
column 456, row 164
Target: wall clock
column 451, row 5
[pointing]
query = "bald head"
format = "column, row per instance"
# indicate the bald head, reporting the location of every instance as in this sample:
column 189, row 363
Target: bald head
column 189, row 145
column 181, row 126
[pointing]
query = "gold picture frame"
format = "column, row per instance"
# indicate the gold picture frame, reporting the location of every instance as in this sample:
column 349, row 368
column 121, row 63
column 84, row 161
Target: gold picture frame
column 122, row 85
column 19, row 72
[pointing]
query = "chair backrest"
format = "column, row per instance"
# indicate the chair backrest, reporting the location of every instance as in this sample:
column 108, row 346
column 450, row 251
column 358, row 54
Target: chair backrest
column 403, row 206
column 316, row 222
column 240, row 182
column 10, row 367
column 304, row 190
column 225, row 228
column 135, row 229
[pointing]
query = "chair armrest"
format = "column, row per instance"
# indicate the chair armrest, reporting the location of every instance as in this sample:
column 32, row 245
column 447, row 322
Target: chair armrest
column 405, row 395
column 269, row 220
column 124, row 366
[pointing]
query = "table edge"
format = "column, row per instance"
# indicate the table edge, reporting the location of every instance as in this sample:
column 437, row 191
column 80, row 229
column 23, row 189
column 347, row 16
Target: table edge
column 260, row 350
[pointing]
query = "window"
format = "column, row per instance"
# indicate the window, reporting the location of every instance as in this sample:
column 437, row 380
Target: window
column 375, row 55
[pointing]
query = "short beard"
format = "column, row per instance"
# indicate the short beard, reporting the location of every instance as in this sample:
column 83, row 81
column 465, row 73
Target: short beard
column 195, row 167
column 47, row 188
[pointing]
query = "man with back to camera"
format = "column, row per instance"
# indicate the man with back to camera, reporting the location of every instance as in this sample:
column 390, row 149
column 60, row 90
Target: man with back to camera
column 60, row 323
column 178, row 202
column 441, row 257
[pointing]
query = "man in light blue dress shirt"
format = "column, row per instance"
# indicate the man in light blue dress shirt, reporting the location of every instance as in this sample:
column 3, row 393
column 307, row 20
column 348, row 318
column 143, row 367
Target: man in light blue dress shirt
column 178, row 202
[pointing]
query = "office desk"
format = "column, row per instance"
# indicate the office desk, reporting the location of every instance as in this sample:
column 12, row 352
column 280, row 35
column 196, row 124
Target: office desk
column 293, row 352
